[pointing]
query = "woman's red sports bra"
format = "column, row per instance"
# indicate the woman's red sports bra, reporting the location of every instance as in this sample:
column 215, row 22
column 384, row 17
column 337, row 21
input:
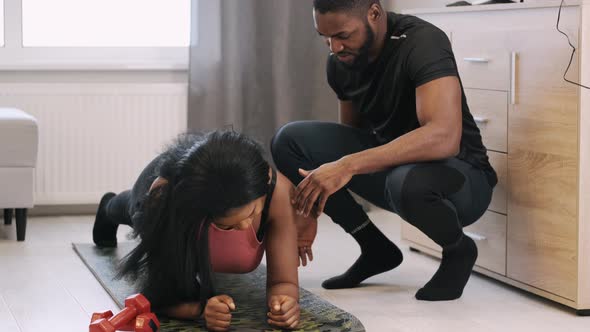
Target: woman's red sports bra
column 240, row 251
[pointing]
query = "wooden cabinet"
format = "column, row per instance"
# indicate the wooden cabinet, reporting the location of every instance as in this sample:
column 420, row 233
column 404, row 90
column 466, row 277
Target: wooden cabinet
column 543, row 165
column 499, row 162
column 481, row 58
column 490, row 111
column 512, row 70
column 489, row 233
column 490, row 236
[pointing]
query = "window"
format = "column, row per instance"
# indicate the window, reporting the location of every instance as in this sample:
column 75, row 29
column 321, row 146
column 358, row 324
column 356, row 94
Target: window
column 106, row 23
column 96, row 34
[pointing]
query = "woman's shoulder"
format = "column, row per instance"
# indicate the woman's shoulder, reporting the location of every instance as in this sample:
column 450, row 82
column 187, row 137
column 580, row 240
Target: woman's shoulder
column 280, row 205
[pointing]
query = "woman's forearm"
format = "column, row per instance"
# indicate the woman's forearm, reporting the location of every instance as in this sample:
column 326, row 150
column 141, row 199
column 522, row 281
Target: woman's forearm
column 285, row 288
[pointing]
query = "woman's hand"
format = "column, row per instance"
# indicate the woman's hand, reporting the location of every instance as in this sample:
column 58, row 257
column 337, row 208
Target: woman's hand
column 284, row 312
column 218, row 313
column 307, row 228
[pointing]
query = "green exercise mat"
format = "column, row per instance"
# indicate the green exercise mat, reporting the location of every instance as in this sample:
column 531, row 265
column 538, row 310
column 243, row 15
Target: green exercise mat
column 248, row 291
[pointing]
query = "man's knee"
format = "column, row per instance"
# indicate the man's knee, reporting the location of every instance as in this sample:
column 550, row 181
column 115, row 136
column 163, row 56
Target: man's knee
column 421, row 199
column 394, row 182
column 411, row 188
column 284, row 139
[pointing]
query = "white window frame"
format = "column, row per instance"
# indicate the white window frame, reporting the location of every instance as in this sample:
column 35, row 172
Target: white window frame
column 2, row 27
column 13, row 56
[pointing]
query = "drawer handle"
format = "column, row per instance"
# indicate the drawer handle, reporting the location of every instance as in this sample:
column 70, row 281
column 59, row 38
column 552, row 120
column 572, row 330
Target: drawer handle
column 513, row 64
column 479, row 119
column 475, row 237
column 478, row 60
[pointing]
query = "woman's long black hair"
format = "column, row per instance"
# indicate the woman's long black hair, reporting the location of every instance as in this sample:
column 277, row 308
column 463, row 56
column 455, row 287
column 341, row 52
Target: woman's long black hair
column 208, row 174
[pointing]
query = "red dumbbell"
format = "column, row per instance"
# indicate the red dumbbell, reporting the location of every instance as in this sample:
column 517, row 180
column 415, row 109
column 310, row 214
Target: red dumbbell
column 146, row 323
column 101, row 315
column 143, row 323
column 108, row 314
column 135, row 305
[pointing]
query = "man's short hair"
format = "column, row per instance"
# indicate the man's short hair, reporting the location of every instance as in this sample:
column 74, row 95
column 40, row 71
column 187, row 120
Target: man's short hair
column 354, row 6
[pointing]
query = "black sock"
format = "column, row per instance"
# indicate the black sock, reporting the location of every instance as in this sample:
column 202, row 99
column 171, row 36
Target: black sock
column 104, row 232
column 378, row 255
column 452, row 275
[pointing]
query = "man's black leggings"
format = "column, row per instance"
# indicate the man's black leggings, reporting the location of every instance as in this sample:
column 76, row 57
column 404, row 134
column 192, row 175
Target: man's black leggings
column 439, row 198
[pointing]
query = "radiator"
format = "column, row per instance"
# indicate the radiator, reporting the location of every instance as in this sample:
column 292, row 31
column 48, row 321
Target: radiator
column 95, row 138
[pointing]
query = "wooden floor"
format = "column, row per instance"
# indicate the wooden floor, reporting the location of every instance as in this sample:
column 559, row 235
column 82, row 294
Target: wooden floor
column 45, row 287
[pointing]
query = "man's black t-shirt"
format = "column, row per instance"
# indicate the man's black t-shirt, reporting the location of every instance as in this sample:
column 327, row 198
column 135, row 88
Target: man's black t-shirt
column 415, row 52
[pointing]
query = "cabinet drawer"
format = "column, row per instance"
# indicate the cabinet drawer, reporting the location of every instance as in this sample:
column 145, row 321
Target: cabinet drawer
column 490, row 111
column 483, row 59
column 489, row 233
column 499, row 162
column 413, row 234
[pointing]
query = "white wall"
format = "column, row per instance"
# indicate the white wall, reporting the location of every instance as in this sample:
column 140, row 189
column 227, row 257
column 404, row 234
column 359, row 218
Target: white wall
column 399, row 5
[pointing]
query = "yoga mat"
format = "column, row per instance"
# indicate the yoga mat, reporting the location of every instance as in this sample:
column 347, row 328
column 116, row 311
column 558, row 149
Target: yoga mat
column 247, row 290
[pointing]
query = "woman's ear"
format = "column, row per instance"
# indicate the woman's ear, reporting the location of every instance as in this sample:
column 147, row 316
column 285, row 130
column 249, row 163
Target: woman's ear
column 158, row 182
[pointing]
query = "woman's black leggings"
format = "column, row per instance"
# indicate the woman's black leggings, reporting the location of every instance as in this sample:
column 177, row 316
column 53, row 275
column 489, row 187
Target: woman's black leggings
column 439, row 198
column 121, row 208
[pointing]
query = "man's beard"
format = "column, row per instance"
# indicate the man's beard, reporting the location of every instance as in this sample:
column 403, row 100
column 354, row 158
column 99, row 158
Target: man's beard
column 361, row 61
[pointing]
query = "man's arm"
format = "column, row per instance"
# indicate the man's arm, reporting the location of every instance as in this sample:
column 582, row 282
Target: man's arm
column 439, row 110
column 348, row 114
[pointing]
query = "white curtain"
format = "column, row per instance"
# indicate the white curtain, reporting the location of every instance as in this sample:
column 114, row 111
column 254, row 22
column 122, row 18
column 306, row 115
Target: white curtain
column 256, row 65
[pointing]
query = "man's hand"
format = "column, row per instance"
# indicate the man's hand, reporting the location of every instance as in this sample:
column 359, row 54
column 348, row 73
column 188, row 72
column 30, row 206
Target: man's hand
column 218, row 313
column 283, row 312
column 319, row 184
column 307, row 229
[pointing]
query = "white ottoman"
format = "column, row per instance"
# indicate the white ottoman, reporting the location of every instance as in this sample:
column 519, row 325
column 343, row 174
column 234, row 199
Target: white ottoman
column 19, row 137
